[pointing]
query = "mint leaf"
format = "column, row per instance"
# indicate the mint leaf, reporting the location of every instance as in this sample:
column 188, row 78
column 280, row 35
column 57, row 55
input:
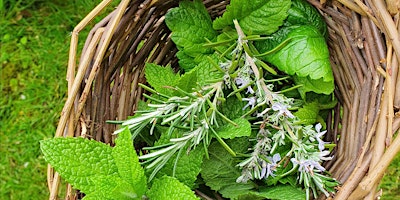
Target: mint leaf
column 167, row 188
column 303, row 13
column 306, row 53
column 128, row 165
column 283, row 192
column 190, row 24
column 220, row 171
column 308, row 114
column 229, row 131
column 255, row 16
column 310, row 85
column 161, row 77
column 79, row 161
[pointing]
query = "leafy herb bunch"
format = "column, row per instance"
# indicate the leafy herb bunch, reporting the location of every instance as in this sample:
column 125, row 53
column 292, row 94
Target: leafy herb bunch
column 247, row 114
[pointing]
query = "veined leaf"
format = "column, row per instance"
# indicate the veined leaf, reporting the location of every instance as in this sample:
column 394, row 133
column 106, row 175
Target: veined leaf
column 80, row 161
column 190, row 24
column 306, row 54
column 261, row 17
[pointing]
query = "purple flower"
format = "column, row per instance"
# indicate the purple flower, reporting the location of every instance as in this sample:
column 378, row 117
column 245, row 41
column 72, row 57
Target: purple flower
column 251, row 102
column 242, row 82
column 283, row 110
column 269, row 168
column 307, row 165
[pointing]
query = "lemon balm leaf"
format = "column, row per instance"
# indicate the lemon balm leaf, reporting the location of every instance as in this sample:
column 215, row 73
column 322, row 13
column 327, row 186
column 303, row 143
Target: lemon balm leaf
column 261, row 17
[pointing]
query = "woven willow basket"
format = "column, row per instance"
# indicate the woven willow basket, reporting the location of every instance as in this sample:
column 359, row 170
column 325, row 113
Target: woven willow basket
column 364, row 44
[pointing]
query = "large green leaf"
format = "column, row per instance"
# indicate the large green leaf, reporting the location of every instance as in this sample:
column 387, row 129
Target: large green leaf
column 80, row 161
column 255, row 16
column 191, row 25
column 305, row 54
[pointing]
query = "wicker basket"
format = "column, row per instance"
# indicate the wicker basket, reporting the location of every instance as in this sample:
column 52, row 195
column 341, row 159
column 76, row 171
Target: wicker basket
column 364, row 43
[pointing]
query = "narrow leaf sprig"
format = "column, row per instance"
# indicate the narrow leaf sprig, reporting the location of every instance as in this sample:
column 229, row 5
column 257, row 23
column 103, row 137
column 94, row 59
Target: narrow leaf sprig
column 277, row 126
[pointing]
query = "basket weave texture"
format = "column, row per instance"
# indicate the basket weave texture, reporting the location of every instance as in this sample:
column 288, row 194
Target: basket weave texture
column 363, row 41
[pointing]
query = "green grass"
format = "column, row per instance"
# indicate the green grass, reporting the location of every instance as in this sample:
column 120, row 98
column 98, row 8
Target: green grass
column 34, row 39
column 34, row 49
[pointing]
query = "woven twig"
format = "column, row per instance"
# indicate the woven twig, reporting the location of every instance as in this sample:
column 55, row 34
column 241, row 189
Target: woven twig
column 365, row 52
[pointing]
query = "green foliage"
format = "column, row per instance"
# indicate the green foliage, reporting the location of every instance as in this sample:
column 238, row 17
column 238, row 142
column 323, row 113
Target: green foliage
column 230, row 131
column 95, row 168
column 128, row 165
column 306, row 53
column 166, row 188
column 78, row 160
column 308, row 114
column 282, row 192
column 165, row 84
column 303, row 13
column 220, row 171
column 190, row 19
column 186, row 168
column 255, row 16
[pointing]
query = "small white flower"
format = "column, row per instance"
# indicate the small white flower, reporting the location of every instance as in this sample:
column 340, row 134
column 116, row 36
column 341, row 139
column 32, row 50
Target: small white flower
column 307, row 165
column 318, row 135
column 251, row 102
column 269, row 168
column 283, row 110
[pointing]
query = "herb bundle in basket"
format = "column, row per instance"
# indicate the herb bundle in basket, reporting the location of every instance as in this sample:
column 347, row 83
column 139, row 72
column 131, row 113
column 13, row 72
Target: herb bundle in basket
column 231, row 100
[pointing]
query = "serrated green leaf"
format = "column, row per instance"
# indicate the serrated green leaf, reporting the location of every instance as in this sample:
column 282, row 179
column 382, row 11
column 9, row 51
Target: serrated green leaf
column 255, row 16
column 303, row 13
column 160, row 78
column 306, row 53
column 308, row 114
column 282, row 192
column 190, row 24
column 220, row 171
column 229, row 131
column 80, row 161
column 310, row 85
column 128, row 165
column 167, row 188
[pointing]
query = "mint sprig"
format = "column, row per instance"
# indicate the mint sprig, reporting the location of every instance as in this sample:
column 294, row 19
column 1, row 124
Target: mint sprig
column 103, row 172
